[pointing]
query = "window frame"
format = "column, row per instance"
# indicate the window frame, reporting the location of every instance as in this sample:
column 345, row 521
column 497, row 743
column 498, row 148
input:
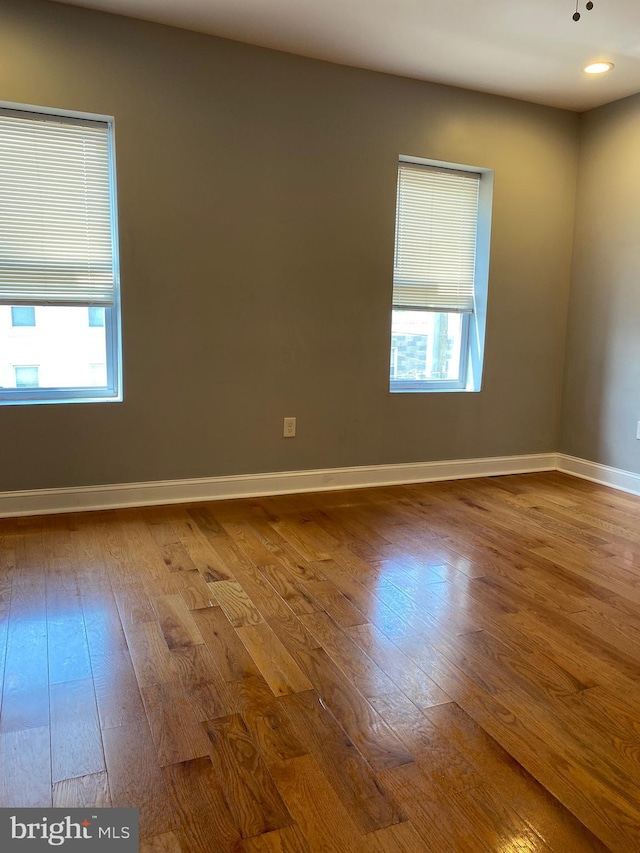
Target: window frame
column 474, row 322
column 113, row 391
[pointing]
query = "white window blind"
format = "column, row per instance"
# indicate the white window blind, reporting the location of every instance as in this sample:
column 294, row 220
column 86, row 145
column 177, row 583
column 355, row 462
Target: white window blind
column 55, row 211
column 436, row 223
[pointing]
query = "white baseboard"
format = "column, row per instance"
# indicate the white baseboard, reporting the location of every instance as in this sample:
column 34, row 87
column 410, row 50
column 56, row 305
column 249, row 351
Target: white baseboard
column 85, row 498
column 624, row 481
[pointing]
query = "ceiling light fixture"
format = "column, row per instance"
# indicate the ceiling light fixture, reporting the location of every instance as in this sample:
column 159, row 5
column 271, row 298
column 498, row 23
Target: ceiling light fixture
column 588, row 7
column 598, row 67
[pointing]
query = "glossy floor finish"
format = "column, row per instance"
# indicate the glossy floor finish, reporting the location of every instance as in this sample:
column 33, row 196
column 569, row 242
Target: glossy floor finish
column 442, row 667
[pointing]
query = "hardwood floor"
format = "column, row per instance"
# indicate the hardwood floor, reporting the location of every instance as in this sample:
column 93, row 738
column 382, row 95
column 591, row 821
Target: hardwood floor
column 442, row 667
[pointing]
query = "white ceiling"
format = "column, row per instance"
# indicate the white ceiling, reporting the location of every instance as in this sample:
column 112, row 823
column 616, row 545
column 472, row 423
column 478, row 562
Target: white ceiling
column 527, row 49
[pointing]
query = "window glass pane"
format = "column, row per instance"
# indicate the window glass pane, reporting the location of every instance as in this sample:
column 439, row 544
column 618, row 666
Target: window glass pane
column 426, row 346
column 23, row 315
column 63, row 346
column 96, row 316
column 98, row 375
column 26, row 376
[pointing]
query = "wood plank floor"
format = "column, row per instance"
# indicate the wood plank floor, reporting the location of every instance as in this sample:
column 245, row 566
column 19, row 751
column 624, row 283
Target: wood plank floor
column 440, row 667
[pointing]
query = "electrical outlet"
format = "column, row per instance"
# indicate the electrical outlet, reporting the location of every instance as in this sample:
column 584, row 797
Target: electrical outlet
column 289, row 430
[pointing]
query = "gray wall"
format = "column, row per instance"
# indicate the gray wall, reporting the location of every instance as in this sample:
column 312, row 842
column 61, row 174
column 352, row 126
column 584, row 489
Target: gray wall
column 256, row 202
column 601, row 404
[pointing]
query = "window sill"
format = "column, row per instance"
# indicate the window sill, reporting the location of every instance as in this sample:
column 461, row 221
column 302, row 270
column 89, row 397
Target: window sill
column 31, row 400
column 419, row 388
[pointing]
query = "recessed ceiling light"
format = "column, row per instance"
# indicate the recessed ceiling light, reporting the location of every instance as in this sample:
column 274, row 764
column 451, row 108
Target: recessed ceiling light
column 598, row 67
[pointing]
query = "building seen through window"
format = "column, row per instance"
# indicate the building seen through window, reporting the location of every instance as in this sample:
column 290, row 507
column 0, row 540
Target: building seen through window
column 23, row 315
column 425, row 345
column 26, row 376
column 68, row 352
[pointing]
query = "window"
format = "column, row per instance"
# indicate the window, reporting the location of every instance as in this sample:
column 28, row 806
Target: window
column 439, row 277
column 23, row 315
column 26, row 376
column 58, row 253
